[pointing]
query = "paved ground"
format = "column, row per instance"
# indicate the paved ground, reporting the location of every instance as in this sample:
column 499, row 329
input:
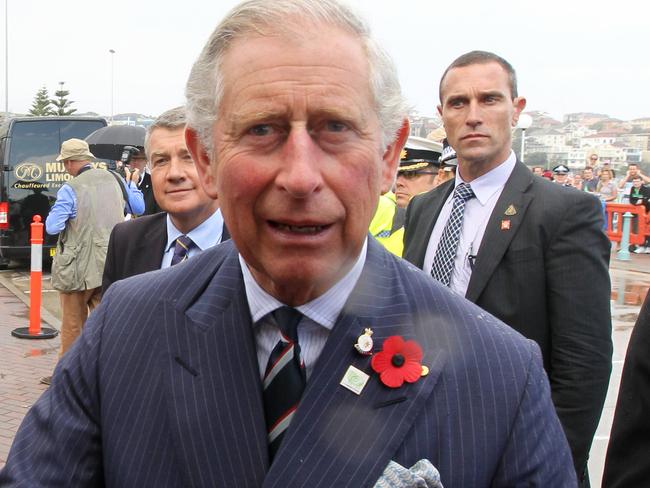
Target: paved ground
column 24, row 362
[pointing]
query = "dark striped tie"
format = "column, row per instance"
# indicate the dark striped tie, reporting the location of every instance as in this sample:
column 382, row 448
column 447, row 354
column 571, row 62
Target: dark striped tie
column 284, row 380
column 443, row 261
column 181, row 249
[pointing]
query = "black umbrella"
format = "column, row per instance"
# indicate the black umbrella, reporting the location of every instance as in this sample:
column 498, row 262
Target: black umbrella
column 108, row 142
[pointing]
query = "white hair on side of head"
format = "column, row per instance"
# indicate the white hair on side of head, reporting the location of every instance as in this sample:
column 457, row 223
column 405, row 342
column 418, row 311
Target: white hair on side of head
column 204, row 88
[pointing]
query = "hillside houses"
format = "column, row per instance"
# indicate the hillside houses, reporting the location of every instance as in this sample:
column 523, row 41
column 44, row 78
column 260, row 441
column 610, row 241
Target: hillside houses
column 572, row 141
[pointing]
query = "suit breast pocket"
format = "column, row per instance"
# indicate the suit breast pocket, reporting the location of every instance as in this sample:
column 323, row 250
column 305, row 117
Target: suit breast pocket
column 526, row 254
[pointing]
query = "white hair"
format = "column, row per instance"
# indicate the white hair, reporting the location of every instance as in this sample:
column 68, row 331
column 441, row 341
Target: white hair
column 204, row 88
column 172, row 119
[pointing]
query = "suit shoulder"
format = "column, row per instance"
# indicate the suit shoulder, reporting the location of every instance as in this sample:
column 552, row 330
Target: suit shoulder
column 562, row 196
column 140, row 225
column 441, row 313
column 173, row 281
column 433, row 194
column 420, row 203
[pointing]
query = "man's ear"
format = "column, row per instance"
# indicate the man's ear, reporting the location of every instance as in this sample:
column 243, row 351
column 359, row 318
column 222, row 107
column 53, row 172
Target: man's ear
column 519, row 104
column 392, row 156
column 202, row 161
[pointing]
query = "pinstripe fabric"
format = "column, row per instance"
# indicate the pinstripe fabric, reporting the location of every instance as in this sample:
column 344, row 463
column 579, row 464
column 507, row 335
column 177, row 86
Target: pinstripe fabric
column 163, row 389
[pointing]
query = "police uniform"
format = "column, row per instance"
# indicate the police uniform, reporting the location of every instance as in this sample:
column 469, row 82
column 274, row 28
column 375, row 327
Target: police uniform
column 561, row 169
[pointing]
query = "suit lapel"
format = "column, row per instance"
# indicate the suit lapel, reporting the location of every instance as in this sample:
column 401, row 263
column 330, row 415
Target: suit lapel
column 150, row 249
column 212, row 378
column 430, row 209
column 340, row 438
column 501, row 228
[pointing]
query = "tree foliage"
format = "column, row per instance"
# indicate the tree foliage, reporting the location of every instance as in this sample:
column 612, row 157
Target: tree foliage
column 61, row 102
column 42, row 105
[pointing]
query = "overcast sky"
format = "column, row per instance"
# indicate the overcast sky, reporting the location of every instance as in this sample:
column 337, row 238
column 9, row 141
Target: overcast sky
column 570, row 55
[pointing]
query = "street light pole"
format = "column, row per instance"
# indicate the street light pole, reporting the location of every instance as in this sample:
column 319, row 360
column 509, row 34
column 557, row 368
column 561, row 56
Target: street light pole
column 524, row 122
column 112, row 51
column 6, row 58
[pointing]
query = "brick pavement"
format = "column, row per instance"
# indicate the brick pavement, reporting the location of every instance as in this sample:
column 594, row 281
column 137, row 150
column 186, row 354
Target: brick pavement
column 22, row 364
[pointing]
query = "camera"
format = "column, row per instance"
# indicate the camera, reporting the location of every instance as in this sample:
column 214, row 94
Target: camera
column 127, row 154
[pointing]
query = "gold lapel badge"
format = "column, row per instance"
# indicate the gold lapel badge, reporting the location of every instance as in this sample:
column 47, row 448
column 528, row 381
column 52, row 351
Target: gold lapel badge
column 364, row 343
column 511, row 210
column 505, row 225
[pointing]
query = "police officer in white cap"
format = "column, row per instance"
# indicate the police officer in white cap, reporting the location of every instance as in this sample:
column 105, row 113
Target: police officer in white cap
column 561, row 175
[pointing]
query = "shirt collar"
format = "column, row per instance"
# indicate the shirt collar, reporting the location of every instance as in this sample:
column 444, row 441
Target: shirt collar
column 205, row 235
column 488, row 184
column 324, row 310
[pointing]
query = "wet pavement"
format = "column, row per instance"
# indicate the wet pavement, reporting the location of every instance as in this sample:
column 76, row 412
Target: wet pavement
column 24, row 362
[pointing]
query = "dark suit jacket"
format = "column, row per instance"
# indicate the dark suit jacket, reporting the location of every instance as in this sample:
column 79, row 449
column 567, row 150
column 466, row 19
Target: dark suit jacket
column 628, row 456
column 547, row 277
column 163, row 389
column 137, row 246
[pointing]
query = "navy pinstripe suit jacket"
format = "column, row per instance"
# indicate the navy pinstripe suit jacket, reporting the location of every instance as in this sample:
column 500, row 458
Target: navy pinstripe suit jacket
column 162, row 389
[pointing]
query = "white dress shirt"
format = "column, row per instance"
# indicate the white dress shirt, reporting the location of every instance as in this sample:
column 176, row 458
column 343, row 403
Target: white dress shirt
column 205, row 235
column 320, row 315
column 487, row 189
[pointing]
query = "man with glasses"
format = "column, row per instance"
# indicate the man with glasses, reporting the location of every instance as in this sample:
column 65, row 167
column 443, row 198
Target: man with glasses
column 416, row 174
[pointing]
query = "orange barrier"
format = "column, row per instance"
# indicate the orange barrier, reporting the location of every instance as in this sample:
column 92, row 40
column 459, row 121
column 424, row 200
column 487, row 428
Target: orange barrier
column 614, row 218
column 34, row 330
column 36, row 276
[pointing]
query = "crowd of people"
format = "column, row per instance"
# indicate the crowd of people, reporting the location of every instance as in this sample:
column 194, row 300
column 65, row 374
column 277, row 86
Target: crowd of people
column 598, row 179
column 253, row 334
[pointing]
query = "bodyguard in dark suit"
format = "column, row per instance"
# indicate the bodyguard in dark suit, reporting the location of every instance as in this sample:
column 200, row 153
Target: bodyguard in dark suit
column 152, row 242
column 527, row 251
column 628, row 464
column 301, row 353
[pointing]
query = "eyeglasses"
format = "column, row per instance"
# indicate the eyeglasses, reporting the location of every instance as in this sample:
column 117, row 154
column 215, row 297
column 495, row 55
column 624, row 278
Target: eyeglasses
column 410, row 175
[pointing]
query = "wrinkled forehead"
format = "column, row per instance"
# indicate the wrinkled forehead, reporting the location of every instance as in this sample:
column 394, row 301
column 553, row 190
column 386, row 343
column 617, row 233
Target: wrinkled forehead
column 269, row 72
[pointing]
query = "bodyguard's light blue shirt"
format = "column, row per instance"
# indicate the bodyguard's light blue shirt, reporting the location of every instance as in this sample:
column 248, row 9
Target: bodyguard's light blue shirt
column 205, row 235
column 320, row 315
column 65, row 207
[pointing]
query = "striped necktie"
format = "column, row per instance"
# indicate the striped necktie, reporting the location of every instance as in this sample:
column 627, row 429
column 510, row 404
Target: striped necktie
column 443, row 261
column 181, row 249
column 284, row 380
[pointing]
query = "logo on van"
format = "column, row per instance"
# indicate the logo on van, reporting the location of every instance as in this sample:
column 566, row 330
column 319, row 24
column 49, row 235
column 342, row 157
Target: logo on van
column 28, row 172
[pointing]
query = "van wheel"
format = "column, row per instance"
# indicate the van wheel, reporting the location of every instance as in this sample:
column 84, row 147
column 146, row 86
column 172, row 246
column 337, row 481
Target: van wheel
column 4, row 263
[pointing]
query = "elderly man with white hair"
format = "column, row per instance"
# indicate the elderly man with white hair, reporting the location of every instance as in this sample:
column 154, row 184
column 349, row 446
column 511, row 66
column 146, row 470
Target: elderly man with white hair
column 300, row 353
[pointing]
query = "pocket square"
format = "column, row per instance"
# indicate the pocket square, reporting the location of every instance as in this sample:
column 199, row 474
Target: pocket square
column 422, row 474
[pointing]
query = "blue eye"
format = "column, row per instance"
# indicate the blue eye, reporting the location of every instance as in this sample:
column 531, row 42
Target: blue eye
column 336, row 126
column 260, row 130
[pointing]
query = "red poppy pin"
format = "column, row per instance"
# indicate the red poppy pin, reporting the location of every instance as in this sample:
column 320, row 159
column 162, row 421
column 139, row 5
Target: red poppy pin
column 398, row 361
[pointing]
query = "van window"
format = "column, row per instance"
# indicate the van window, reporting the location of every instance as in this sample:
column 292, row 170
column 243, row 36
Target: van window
column 36, row 141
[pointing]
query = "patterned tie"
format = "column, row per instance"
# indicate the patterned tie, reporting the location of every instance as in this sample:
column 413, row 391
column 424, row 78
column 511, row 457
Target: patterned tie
column 181, row 248
column 443, row 261
column 284, row 380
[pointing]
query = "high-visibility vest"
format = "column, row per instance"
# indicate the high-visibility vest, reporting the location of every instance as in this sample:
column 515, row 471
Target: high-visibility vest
column 387, row 226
